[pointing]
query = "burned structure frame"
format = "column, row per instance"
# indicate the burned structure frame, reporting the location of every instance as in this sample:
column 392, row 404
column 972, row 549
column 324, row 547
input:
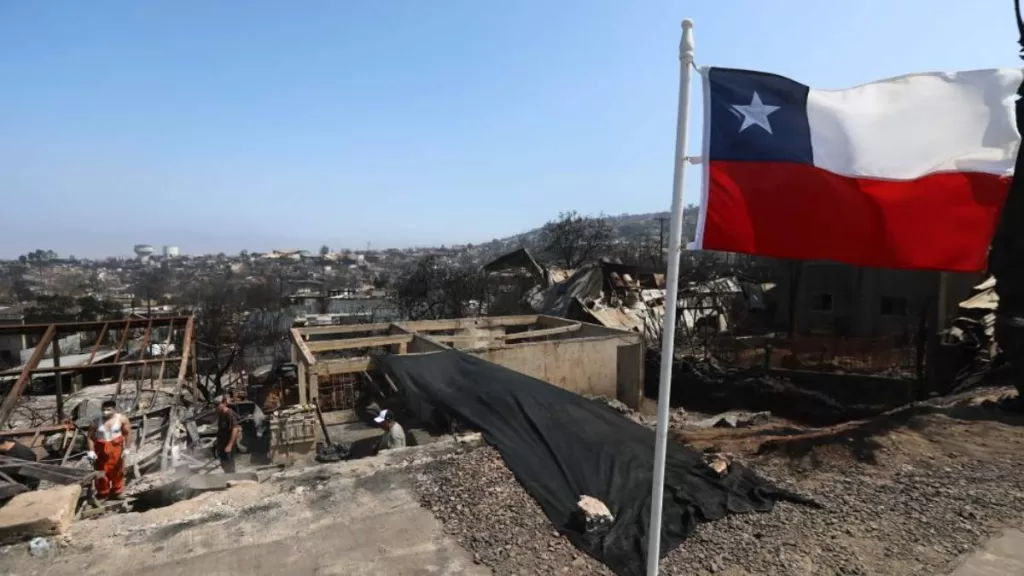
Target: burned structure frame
column 578, row 356
column 121, row 328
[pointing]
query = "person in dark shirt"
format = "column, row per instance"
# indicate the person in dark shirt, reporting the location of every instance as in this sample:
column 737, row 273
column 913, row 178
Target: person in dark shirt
column 13, row 449
column 228, row 432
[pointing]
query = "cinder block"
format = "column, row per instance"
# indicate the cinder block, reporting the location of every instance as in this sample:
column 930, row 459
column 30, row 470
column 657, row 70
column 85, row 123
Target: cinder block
column 38, row 513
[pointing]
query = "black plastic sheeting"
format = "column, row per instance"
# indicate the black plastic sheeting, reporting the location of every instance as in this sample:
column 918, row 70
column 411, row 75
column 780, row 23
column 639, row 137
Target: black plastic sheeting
column 561, row 446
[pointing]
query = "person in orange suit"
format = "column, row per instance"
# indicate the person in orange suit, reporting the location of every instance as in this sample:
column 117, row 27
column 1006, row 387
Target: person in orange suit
column 109, row 438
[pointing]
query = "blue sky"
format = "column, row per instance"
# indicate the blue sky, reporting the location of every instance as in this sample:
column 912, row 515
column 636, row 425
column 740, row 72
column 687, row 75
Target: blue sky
column 217, row 125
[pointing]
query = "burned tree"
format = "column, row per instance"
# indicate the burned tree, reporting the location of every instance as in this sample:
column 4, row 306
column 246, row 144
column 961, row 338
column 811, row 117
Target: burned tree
column 232, row 319
column 574, row 239
column 433, row 288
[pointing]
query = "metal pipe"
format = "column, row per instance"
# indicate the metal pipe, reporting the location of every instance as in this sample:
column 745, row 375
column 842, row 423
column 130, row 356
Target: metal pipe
column 668, row 335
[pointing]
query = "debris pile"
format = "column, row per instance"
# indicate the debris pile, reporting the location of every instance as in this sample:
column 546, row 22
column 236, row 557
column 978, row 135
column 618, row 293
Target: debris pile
column 916, row 514
column 482, row 505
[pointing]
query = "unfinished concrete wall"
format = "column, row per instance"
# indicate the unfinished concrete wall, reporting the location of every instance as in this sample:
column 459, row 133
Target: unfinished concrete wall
column 630, row 370
column 586, row 367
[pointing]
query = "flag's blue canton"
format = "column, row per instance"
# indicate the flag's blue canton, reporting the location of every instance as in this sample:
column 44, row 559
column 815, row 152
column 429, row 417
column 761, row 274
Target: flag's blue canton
column 781, row 104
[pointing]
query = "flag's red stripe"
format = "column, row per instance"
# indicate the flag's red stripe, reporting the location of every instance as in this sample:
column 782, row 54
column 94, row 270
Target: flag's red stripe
column 789, row 210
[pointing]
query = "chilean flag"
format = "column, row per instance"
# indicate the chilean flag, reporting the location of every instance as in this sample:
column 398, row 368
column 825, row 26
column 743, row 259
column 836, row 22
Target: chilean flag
column 909, row 172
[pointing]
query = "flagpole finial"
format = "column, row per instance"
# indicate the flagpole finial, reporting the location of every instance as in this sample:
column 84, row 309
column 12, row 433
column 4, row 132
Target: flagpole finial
column 686, row 44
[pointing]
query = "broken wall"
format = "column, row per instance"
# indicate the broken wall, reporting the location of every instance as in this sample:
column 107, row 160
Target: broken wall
column 586, row 367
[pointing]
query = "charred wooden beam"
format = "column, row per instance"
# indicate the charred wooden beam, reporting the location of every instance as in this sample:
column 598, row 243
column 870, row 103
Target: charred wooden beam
column 11, row 401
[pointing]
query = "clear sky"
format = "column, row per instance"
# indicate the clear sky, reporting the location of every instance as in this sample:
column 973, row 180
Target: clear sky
column 217, row 125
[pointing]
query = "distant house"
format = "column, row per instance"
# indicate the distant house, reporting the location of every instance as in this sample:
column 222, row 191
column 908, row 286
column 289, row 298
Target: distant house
column 11, row 345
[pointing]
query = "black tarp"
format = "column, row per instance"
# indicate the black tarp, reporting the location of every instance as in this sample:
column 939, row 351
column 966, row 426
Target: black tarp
column 561, row 446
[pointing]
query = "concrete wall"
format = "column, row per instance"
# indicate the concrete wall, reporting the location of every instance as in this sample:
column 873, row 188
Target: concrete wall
column 586, row 367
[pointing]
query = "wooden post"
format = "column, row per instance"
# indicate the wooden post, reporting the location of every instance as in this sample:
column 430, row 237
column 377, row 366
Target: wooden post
column 11, row 401
column 303, row 398
column 314, row 388
column 59, row 380
column 195, row 374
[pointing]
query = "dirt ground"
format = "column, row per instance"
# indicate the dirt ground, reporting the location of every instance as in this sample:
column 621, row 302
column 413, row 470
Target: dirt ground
column 351, row 518
column 909, row 492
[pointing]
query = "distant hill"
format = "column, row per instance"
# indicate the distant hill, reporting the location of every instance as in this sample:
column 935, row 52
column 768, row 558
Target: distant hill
column 626, row 227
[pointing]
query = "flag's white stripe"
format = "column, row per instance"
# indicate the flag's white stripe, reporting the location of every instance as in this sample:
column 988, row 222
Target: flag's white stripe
column 705, row 169
column 907, row 127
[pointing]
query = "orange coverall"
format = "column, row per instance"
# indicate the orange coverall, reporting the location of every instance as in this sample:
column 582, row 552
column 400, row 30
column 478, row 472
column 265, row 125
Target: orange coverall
column 109, row 460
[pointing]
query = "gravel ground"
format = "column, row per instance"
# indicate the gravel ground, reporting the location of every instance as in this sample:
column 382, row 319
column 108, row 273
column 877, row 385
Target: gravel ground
column 924, row 505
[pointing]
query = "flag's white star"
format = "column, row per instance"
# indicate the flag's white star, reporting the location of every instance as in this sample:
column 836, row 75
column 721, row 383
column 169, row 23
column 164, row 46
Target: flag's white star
column 756, row 113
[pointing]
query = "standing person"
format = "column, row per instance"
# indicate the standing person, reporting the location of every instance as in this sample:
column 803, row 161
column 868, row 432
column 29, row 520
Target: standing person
column 394, row 435
column 108, row 439
column 228, row 432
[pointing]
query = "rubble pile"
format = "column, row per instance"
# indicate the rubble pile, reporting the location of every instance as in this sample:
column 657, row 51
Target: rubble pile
column 706, row 389
column 482, row 505
column 915, row 515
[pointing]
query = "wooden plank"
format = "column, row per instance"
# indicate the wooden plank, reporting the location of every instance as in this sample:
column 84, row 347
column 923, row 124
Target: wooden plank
column 99, row 339
column 354, row 343
column 58, row 380
column 124, row 338
column 195, row 373
column 51, row 475
column 11, row 401
column 120, row 379
column 541, row 333
column 303, row 399
column 71, row 445
column 186, row 349
column 34, row 432
column 314, row 387
column 142, row 354
column 507, row 337
column 346, row 366
column 462, row 323
column 347, row 329
column 72, row 327
column 86, row 367
column 165, row 452
column 299, row 344
column 167, row 349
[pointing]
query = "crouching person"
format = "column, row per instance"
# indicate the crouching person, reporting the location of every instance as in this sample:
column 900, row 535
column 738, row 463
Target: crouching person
column 108, row 441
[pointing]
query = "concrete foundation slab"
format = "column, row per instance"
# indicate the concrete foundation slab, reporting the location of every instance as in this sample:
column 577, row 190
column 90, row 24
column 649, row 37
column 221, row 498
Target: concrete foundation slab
column 1000, row 556
column 38, row 513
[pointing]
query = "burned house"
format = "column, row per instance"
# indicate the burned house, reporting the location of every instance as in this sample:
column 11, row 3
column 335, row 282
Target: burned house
column 855, row 302
column 612, row 295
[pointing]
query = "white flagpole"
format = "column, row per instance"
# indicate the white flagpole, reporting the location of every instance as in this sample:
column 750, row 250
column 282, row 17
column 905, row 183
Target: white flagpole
column 668, row 332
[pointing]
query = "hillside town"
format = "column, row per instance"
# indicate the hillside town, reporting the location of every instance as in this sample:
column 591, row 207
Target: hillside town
column 811, row 364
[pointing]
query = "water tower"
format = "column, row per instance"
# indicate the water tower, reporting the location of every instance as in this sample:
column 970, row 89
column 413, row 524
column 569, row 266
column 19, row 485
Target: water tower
column 171, row 252
column 143, row 251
